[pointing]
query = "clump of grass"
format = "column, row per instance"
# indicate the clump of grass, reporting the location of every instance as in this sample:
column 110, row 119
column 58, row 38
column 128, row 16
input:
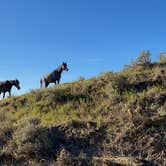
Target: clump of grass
column 64, row 158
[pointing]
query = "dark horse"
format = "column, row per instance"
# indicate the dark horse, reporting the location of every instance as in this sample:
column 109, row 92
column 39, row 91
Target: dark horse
column 54, row 76
column 6, row 86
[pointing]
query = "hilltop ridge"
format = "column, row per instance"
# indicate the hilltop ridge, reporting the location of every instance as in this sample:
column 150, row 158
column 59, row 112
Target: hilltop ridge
column 117, row 118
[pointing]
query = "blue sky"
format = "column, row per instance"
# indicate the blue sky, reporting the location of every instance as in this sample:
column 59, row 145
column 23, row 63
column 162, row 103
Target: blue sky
column 92, row 36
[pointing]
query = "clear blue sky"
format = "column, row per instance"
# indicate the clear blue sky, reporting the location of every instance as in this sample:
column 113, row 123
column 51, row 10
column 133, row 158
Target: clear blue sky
column 90, row 35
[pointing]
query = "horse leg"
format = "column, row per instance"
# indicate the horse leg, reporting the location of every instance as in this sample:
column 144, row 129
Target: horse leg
column 58, row 81
column 46, row 84
column 41, row 83
column 3, row 95
column 9, row 93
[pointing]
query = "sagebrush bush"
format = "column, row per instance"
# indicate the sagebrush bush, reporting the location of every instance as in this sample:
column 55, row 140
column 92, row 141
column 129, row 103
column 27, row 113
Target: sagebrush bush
column 6, row 130
column 31, row 140
column 143, row 59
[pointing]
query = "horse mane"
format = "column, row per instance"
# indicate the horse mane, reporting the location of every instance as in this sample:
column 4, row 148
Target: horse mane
column 12, row 81
column 58, row 69
column 7, row 81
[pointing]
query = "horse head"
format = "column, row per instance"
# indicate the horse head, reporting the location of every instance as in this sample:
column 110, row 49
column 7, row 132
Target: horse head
column 16, row 84
column 64, row 66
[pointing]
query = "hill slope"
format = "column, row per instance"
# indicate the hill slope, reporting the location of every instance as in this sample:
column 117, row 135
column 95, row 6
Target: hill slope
column 115, row 118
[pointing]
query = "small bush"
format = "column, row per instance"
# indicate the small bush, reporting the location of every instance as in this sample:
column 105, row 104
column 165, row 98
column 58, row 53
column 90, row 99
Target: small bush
column 31, row 140
column 6, row 130
column 144, row 59
column 162, row 57
column 119, row 83
column 81, row 78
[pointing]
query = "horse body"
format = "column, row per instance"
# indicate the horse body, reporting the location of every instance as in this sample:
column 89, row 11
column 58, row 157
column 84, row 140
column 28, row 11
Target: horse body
column 6, row 86
column 54, row 76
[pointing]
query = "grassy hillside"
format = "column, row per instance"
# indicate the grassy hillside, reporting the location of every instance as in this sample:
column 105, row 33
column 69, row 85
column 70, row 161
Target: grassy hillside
column 117, row 118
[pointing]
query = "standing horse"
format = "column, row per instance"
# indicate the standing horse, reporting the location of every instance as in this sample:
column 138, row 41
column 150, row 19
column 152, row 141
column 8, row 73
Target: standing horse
column 54, row 76
column 6, row 86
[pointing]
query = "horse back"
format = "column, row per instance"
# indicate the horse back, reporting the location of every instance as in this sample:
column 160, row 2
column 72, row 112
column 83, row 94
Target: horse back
column 4, row 86
column 52, row 76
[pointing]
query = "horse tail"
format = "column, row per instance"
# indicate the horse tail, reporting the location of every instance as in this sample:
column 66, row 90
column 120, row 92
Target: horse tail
column 41, row 83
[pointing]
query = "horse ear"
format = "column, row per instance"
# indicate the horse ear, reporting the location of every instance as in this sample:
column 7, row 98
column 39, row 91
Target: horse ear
column 17, row 80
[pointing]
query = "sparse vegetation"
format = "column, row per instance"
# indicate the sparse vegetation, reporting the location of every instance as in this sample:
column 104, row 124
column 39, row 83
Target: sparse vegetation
column 117, row 118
